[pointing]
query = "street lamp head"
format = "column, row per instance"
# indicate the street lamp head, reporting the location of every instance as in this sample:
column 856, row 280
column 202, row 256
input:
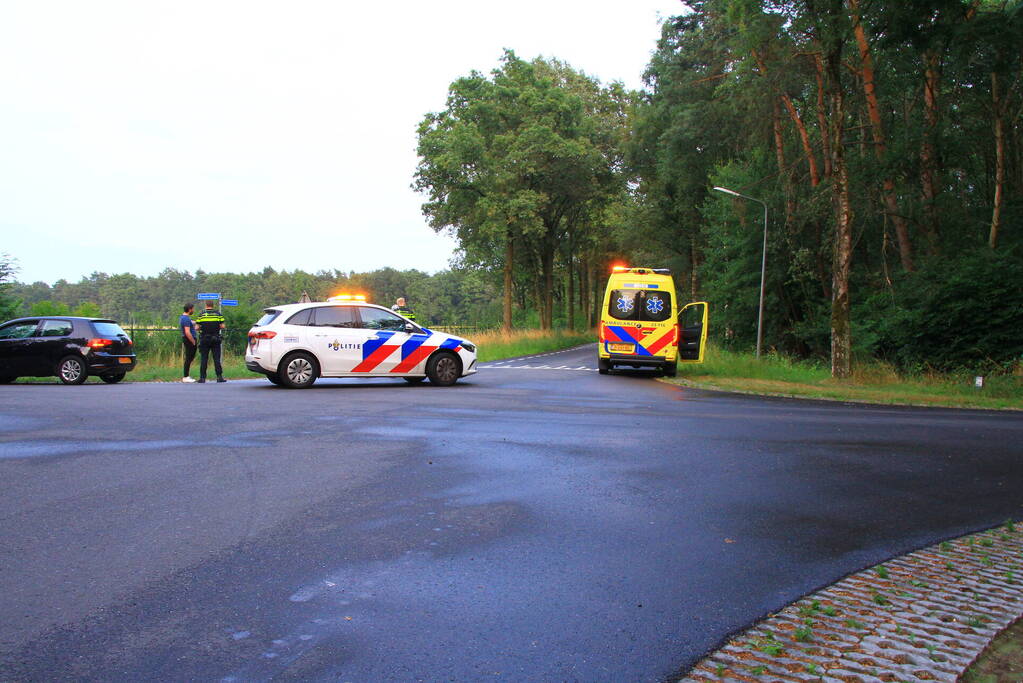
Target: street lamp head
column 727, row 191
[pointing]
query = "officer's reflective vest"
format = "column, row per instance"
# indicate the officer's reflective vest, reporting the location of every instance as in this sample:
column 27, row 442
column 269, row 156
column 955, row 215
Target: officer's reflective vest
column 209, row 323
column 405, row 311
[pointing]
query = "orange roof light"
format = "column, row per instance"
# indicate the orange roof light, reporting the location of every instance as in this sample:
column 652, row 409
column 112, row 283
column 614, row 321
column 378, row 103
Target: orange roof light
column 619, row 269
column 347, row 297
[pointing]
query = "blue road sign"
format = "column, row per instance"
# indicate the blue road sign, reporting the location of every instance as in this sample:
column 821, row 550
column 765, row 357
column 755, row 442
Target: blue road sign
column 207, row 295
column 229, row 302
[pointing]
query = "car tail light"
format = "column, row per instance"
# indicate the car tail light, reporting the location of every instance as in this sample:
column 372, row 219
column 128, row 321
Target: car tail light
column 678, row 335
column 601, row 337
column 262, row 335
column 100, row 343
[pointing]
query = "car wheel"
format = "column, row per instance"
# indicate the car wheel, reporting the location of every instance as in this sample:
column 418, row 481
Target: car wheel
column 443, row 369
column 298, row 371
column 670, row 370
column 414, row 380
column 71, row 370
column 112, row 377
column 603, row 366
column 7, row 380
column 274, row 378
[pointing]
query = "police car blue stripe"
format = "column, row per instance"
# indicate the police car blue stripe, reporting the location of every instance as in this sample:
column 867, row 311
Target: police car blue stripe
column 451, row 344
column 414, row 342
column 375, row 343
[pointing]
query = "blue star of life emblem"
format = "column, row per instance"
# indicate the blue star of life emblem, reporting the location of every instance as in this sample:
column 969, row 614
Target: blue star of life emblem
column 654, row 305
column 624, row 305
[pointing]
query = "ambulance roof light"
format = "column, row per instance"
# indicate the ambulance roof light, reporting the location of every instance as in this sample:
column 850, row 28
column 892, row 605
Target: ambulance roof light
column 620, row 269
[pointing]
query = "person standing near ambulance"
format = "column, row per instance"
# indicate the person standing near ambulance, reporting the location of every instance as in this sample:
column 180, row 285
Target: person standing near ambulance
column 188, row 340
column 211, row 328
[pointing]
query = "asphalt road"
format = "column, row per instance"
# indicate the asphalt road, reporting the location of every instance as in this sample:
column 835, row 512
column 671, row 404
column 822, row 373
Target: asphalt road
column 527, row 524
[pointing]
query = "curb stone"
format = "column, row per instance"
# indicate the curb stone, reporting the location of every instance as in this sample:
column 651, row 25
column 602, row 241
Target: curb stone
column 925, row 616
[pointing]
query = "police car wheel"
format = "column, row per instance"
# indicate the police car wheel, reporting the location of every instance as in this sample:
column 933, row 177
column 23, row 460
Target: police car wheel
column 71, row 370
column 443, row 369
column 298, row 371
column 414, row 380
column 603, row 366
column 112, row 377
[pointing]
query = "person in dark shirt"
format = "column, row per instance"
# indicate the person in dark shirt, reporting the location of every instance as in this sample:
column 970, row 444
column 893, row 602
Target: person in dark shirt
column 211, row 327
column 189, row 343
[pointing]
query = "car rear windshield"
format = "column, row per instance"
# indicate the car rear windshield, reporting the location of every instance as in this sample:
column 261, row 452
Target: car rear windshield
column 268, row 317
column 106, row 328
column 649, row 305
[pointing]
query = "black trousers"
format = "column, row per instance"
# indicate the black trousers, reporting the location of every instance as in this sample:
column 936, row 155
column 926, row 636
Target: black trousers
column 209, row 346
column 189, row 349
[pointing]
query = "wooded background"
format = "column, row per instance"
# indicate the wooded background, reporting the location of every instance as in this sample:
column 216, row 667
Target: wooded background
column 885, row 138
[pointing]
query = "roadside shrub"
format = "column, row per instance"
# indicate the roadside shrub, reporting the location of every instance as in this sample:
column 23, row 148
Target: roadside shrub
column 964, row 313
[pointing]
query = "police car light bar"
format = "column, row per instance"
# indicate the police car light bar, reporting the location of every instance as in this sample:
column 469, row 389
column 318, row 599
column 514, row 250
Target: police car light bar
column 347, row 297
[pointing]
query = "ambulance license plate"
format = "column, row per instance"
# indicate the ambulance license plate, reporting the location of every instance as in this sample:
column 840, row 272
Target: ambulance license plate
column 622, row 348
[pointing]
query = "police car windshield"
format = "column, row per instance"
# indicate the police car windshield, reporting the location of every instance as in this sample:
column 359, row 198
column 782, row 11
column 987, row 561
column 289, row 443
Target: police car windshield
column 268, row 317
column 642, row 305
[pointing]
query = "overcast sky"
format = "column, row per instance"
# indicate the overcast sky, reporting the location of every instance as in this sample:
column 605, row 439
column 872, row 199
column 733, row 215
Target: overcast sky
column 229, row 136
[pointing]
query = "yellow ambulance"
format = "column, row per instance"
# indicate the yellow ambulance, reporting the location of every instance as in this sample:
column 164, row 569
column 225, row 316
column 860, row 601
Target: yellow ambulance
column 640, row 323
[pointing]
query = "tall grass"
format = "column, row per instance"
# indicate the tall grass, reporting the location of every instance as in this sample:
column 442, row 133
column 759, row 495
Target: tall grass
column 871, row 381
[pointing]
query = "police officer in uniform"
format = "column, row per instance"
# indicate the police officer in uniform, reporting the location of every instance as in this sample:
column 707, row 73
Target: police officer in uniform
column 400, row 308
column 211, row 327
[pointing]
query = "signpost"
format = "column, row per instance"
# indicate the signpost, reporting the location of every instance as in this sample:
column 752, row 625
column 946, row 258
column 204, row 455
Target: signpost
column 229, row 302
column 203, row 296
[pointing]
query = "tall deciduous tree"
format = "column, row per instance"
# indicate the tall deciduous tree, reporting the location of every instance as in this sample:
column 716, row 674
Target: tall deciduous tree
column 512, row 164
column 9, row 305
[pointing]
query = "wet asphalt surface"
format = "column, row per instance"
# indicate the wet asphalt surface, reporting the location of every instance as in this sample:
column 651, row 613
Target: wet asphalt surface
column 527, row 524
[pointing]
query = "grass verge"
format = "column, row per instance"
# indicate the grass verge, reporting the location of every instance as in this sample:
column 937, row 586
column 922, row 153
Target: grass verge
column 775, row 375
column 497, row 345
column 1001, row 661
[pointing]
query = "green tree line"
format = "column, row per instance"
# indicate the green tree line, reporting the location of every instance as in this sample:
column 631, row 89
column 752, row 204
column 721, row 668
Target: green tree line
column 449, row 297
column 884, row 138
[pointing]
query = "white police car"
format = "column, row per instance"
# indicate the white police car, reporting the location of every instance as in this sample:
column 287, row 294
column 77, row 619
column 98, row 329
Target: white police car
column 294, row 344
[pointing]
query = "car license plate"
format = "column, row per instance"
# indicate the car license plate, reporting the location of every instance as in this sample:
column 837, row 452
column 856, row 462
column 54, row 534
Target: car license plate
column 622, row 348
column 124, row 360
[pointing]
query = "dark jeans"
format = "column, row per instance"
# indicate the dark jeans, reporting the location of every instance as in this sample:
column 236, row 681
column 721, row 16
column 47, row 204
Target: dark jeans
column 208, row 345
column 189, row 349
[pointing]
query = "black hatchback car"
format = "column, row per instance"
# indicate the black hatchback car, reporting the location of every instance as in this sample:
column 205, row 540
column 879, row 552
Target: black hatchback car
column 69, row 347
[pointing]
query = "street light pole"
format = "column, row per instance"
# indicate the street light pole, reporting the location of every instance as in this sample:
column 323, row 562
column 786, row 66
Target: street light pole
column 763, row 265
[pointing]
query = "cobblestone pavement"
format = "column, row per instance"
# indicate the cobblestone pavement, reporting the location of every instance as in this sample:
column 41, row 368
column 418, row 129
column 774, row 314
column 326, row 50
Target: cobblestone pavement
column 925, row 616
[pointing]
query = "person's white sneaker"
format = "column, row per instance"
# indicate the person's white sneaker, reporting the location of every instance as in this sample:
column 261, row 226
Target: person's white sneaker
column 187, row 380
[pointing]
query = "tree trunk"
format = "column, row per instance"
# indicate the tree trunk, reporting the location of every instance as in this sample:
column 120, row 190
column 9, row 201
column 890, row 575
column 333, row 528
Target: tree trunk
column 928, row 148
column 822, row 119
column 786, row 178
column 880, row 145
column 996, row 212
column 509, row 264
column 570, row 305
column 804, row 136
column 841, row 337
column 547, row 294
column 694, row 274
